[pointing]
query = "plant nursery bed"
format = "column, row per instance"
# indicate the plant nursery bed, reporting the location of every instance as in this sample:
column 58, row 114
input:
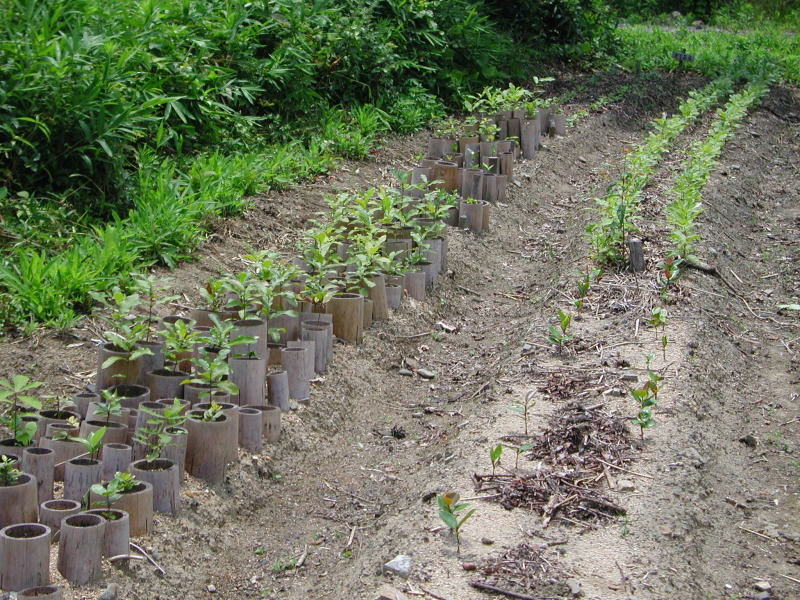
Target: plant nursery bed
column 702, row 505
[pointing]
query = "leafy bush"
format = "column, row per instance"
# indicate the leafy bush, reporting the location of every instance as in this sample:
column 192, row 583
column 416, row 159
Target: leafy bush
column 580, row 30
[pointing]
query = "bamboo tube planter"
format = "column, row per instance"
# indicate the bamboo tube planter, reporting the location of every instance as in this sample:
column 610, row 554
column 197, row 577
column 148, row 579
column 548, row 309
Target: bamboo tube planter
column 163, row 474
column 278, row 390
column 377, row 293
column 138, row 503
column 24, row 556
column 298, row 363
column 81, row 474
column 117, row 535
column 80, row 548
column 40, row 462
column 415, row 284
column 205, row 452
column 122, row 371
column 116, row 457
column 52, row 512
column 319, row 335
column 348, row 316
column 251, row 426
column 165, row 383
column 249, row 374
column 19, row 502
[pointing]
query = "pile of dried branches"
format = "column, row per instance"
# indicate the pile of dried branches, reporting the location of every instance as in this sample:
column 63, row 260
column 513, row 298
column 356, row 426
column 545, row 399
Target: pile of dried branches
column 519, row 571
column 574, row 453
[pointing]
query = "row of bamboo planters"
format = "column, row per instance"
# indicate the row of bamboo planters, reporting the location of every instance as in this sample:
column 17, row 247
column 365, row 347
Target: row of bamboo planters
column 30, row 515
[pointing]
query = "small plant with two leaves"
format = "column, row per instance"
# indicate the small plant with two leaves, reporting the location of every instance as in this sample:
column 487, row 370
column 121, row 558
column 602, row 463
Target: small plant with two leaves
column 646, row 398
column 15, row 402
column 452, row 514
column 584, row 284
column 658, row 318
column 9, row 474
column 558, row 336
column 156, row 433
column 523, row 407
column 494, row 456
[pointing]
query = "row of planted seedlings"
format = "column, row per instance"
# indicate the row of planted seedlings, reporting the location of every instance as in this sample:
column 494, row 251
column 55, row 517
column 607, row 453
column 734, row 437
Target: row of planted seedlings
column 611, row 234
column 180, row 393
column 685, row 192
column 475, row 158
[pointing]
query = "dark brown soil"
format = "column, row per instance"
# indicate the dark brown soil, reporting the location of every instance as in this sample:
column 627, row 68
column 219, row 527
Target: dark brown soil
column 710, row 494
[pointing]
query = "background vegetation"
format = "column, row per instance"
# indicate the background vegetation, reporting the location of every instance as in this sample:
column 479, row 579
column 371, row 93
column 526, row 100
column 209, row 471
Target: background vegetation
column 125, row 126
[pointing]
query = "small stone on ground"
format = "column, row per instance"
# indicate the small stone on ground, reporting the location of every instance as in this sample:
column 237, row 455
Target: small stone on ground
column 387, row 592
column 762, row 586
column 405, row 373
column 425, row 374
column 399, row 565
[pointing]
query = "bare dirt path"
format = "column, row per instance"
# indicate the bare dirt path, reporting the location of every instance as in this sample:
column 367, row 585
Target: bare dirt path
column 352, row 482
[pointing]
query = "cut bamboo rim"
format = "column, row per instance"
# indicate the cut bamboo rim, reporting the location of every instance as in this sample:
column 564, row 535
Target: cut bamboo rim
column 45, row 592
column 24, row 556
column 52, row 512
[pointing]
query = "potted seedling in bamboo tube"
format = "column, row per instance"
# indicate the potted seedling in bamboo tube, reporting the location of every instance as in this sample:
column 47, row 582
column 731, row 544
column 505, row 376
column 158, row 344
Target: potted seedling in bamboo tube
column 368, row 264
column 163, row 473
column 213, row 299
column 116, row 538
column 14, row 403
column 151, row 289
column 82, row 472
column 120, row 356
column 179, row 339
column 19, row 498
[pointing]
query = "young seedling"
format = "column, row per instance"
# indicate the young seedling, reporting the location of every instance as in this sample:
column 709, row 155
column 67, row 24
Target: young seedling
column 155, row 434
column 494, row 456
column 92, row 442
column 449, row 510
column 111, row 490
column 524, row 407
column 9, row 474
column 112, row 407
column 559, row 336
column 646, row 401
column 12, row 394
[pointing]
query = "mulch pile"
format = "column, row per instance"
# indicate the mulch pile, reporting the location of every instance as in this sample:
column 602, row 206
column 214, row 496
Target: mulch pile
column 573, row 453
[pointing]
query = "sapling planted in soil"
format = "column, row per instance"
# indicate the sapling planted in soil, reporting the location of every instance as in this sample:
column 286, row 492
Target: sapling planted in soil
column 559, row 337
column 525, row 407
column 494, row 456
column 449, row 511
